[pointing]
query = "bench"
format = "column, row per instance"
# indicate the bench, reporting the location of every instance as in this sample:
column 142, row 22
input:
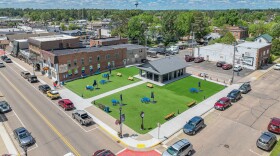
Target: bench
column 191, row 103
column 130, row 78
column 169, row 116
column 150, row 85
column 119, row 74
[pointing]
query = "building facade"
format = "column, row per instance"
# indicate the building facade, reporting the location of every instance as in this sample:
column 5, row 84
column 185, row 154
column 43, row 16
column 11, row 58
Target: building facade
column 108, row 41
column 250, row 55
column 238, row 32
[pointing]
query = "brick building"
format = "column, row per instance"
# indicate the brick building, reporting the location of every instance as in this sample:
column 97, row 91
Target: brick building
column 67, row 64
column 238, row 32
column 108, row 41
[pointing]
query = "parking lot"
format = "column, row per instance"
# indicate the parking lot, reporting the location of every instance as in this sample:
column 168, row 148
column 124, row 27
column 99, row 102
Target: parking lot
column 235, row 131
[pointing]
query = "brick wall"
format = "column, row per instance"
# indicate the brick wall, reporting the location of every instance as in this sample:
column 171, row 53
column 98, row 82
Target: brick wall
column 263, row 56
column 108, row 43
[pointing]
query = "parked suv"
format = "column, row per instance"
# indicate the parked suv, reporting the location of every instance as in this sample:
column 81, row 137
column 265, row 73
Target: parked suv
column 44, row 88
column 237, row 68
column 198, row 59
column 222, row 103
column 2, row 64
column 4, row 107
column 23, row 136
column 32, row 78
column 189, row 58
column 181, row 147
column 266, row 141
column 226, row 66
column 220, row 63
column 195, row 124
column 245, row 87
column 25, row 74
column 234, row 95
column 274, row 125
column 66, row 104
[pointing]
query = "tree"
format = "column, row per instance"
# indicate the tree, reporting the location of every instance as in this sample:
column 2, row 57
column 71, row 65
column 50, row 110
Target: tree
column 45, row 16
column 183, row 23
column 170, row 33
column 275, row 30
column 200, row 25
column 228, row 38
column 63, row 27
column 73, row 26
column 275, row 48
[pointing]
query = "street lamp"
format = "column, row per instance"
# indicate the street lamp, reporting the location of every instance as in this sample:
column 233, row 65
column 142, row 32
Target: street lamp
column 142, row 116
column 120, row 134
column 25, row 150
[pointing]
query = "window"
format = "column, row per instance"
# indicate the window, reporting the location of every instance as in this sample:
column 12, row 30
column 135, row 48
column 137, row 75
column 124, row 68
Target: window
column 90, row 60
column 82, row 61
column 108, row 56
column 98, row 58
column 69, row 63
column 75, row 62
column 117, row 55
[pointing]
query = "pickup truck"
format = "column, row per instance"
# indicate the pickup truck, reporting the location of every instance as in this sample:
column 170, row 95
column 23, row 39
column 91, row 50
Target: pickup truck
column 82, row 117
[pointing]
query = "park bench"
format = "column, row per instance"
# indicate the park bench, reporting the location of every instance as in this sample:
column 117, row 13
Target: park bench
column 169, row 116
column 191, row 104
column 130, row 78
column 150, row 85
column 119, row 74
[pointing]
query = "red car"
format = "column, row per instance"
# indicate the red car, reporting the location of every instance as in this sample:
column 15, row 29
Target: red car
column 227, row 66
column 198, row 59
column 274, row 125
column 66, row 104
column 222, row 104
column 103, row 152
column 189, row 58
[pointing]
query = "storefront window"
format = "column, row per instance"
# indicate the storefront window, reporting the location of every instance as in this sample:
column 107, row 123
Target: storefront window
column 76, row 71
column 69, row 72
column 83, row 69
column 90, row 68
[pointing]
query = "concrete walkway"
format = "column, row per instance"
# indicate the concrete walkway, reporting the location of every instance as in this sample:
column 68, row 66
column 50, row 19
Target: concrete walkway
column 166, row 130
column 9, row 147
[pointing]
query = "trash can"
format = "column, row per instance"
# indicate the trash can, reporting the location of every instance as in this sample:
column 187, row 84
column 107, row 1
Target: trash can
column 107, row 109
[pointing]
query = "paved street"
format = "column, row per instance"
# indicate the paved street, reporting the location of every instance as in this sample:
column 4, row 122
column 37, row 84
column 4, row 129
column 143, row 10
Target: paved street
column 236, row 129
column 56, row 133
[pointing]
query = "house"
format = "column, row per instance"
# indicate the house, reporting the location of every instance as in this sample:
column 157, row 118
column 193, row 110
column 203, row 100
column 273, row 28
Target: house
column 164, row 69
column 265, row 38
column 238, row 32
column 250, row 55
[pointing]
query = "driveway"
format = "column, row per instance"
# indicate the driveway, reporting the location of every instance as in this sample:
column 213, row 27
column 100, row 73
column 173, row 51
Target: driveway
column 235, row 131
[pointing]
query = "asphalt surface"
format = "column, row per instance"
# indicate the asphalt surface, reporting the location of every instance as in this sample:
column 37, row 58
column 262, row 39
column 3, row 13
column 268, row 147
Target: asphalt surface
column 235, row 131
column 56, row 133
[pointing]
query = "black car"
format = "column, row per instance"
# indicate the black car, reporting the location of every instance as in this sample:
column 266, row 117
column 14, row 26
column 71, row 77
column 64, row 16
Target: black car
column 234, row 95
column 195, row 124
column 7, row 60
column 32, row 78
column 3, row 57
column 44, row 88
column 220, row 63
column 245, row 88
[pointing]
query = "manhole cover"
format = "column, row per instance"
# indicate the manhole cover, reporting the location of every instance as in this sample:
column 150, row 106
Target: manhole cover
column 226, row 146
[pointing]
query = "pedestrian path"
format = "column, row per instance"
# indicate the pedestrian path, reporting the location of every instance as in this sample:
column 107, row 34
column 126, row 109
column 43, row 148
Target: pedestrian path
column 9, row 147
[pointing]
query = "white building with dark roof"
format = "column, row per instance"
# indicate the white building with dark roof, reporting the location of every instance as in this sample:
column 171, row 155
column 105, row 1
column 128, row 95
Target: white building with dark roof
column 250, row 55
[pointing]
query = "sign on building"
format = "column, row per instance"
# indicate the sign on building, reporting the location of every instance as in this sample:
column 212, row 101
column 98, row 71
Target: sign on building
column 63, row 68
column 249, row 61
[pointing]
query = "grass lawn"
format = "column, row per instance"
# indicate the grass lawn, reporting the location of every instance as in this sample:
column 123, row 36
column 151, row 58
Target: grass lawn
column 78, row 86
column 276, row 150
column 170, row 98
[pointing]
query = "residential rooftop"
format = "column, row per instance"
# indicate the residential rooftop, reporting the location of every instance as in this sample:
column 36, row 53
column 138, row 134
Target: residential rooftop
column 254, row 45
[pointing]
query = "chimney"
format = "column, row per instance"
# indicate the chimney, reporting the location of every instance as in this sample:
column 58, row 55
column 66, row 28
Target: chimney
column 99, row 33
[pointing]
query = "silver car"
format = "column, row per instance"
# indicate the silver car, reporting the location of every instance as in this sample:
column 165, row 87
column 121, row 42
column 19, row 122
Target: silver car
column 2, row 64
column 266, row 141
column 4, row 107
column 24, row 137
column 180, row 148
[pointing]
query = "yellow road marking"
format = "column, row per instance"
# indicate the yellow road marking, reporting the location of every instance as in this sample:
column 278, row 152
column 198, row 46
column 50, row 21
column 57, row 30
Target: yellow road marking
column 43, row 118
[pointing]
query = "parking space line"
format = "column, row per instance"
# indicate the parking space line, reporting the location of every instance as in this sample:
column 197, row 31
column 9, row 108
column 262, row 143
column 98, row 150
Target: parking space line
column 254, row 152
column 55, row 105
column 92, row 129
column 165, row 146
column 19, row 119
column 121, row 151
column 28, row 150
column 11, row 115
column 158, row 151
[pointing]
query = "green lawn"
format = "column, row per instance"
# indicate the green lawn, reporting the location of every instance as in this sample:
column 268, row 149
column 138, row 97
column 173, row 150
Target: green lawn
column 78, row 86
column 276, row 150
column 169, row 98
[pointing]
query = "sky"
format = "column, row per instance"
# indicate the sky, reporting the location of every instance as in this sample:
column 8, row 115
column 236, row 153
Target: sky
column 143, row 4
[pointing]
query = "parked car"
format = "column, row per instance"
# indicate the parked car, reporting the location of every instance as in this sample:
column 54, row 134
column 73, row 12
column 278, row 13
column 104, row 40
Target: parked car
column 103, row 152
column 274, row 125
column 3, row 57
column 237, row 68
column 173, row 50
column 181, row 147
column 2, row 64
column 277, row 66
column 66, row 104
column 245, row 87
column 234, row 95
column 32, row 78
column 220, row 63
column 44, row 88
column 25, row 74
column 198, row 59
column 82, row 117
column 7, row 60
column 222, row 103
column 4, row 107
column 195, row 124
column 24, row 137
column 226, row 66
column 266, row 141
column 53, row 94
column 189, row 58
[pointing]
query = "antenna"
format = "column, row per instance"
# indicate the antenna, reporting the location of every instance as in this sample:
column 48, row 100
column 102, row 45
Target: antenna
column 136, row 4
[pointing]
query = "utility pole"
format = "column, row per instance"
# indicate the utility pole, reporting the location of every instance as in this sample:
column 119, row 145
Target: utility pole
column 233, row 61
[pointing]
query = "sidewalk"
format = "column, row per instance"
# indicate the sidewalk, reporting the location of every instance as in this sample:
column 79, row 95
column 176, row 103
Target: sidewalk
column 131, row 138
column 6, row 144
